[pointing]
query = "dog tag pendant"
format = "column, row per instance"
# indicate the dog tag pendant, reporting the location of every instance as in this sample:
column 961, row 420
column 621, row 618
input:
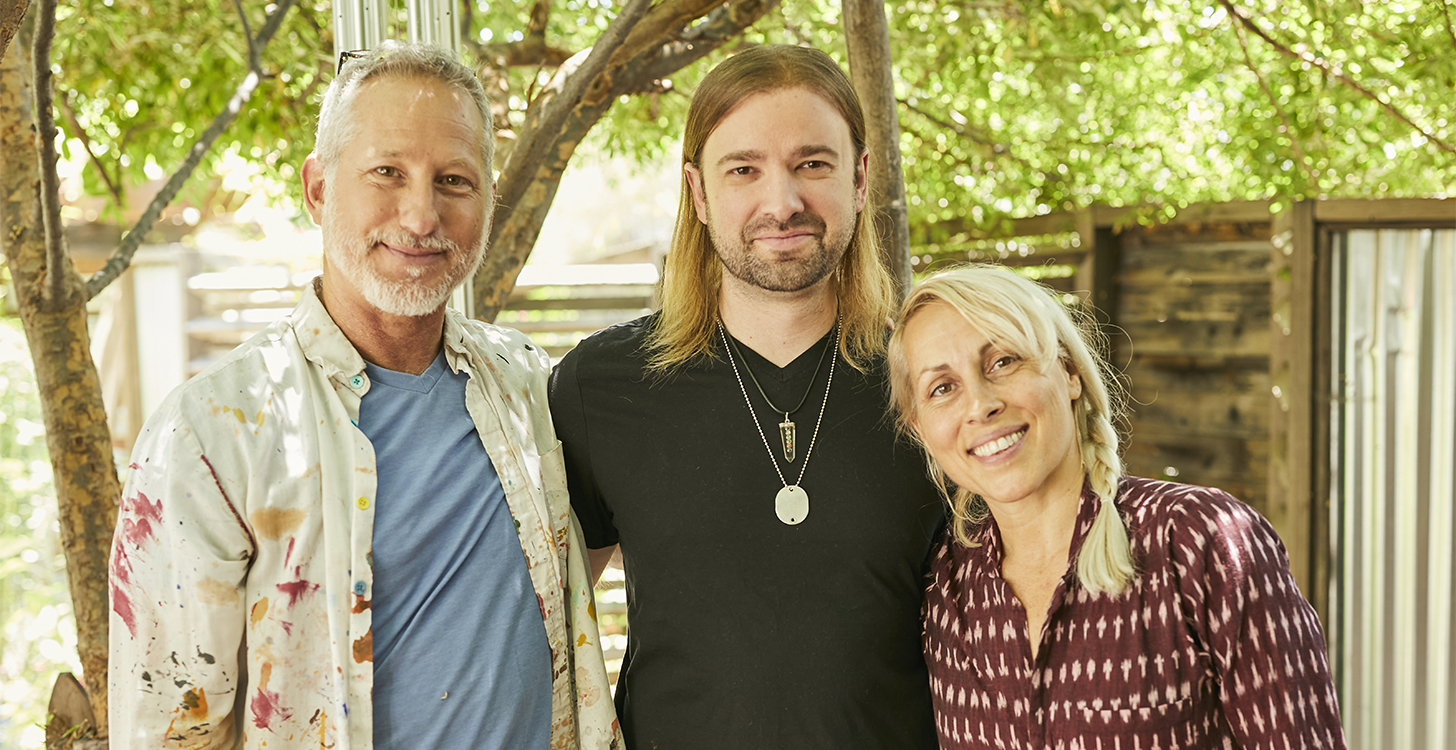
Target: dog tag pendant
column 792, row 505
column 787, row 434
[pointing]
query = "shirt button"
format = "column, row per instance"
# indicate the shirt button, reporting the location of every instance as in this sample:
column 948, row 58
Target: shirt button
column 356, row 382
column 363, row 503
column 359, row 588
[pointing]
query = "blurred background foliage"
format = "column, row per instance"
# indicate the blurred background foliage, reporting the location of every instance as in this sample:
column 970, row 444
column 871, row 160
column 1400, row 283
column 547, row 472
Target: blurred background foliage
column 37, row 635
column 1008, row 108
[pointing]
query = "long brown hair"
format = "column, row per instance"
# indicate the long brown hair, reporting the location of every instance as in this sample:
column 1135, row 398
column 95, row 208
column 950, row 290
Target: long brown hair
column 693, row 275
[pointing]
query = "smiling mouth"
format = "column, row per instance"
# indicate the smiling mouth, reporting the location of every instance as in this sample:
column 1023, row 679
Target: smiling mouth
column 413, row 254
column 996, row 446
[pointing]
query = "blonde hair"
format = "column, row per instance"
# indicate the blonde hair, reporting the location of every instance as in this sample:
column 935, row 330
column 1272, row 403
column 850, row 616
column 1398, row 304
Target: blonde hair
column 692, row 274
column 1030, row 320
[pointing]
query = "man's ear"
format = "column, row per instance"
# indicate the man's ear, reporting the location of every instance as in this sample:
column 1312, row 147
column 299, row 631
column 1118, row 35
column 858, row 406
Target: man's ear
column 489, row 207
column 862, row 181
column 695, row 184
column 313, row 188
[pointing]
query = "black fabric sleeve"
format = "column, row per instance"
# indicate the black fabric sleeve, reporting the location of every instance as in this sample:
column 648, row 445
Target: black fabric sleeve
column 568, row 413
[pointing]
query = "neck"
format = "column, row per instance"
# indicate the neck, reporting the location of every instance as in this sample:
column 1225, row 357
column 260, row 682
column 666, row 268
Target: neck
column 1038, row 531
column 778, row 325
column 394, row 342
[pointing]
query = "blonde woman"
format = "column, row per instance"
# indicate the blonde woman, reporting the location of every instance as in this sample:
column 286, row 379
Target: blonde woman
column 1071, row 606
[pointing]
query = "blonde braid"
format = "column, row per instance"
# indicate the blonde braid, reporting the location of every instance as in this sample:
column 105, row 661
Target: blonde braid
column 1105, row 564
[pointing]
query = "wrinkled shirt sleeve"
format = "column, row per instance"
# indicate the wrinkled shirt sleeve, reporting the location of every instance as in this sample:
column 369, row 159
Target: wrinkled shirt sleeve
column 179, row 559
column 1265, row 640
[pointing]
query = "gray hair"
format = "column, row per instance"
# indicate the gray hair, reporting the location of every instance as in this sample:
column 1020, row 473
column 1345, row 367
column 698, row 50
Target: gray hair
column 336, row 126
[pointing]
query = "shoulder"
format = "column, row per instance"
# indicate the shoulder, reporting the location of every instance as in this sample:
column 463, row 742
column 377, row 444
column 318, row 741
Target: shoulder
column 1138, row 495
column 271, row 358
column 237, row 394
column 627, row 339
column 614, row 351
column 1193, row 519
column 499, row 346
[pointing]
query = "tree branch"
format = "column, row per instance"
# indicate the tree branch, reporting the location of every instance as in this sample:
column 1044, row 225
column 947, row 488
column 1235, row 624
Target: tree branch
column 73, row 120
column 1274, row 101
column 1446, row 14
column 254, row 61
column 969, row 133
column 540, row 15
column 11, row 14
column 547, row 113
column 50, row 182
column 129, row 244
column 530, row 52
column 1335, row 74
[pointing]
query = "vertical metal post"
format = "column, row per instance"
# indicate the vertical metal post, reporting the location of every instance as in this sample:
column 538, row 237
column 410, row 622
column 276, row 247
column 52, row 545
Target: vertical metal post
column 359, row 24
column 433, row 22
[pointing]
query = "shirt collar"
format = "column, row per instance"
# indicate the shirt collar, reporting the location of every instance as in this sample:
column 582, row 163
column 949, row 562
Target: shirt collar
column 325, row 344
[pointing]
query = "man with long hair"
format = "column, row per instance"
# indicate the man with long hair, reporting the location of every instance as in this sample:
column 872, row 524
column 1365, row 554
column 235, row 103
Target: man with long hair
column 735, row 444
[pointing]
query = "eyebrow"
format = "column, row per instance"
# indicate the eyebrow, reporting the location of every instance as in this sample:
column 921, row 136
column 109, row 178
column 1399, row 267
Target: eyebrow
column 815, row 149
column 461, row 161
column 942, row 367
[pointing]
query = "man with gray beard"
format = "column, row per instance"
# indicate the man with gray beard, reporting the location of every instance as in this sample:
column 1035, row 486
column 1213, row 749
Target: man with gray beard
column 353, row 530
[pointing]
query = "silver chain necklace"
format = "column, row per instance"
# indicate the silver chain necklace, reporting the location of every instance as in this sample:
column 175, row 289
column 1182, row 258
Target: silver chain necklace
column 791, row 504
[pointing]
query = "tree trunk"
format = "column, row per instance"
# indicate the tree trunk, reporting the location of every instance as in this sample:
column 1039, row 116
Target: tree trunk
column 867, row 36
column 638, row 68
column 86, row 483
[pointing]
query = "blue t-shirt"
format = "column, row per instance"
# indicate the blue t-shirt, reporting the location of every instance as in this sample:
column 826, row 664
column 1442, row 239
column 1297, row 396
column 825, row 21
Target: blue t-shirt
column 460, row 653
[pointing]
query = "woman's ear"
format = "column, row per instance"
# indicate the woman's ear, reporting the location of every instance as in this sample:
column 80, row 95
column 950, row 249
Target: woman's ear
column 1074, row 379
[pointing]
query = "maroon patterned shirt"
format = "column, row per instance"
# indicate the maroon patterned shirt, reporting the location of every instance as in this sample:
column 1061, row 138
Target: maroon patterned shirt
column 1212, row 647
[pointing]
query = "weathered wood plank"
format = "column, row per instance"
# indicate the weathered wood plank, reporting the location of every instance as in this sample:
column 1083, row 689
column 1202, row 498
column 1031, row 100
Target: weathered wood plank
column 1291, row 363
column 1220, row 403
column 629, row 303
column 1437, row 211
column 1236, row 465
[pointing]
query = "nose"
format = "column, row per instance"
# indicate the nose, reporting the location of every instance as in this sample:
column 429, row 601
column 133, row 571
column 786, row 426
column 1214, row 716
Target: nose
column 418, row 211
column 982, row 401
column 782, row 198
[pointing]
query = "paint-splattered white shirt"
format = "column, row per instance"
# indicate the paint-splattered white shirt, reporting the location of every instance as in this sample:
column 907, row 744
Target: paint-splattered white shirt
column 245, row 531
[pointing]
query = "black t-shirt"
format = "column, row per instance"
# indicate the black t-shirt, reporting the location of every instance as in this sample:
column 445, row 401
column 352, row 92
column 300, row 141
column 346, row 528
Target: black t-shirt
column 745, row 632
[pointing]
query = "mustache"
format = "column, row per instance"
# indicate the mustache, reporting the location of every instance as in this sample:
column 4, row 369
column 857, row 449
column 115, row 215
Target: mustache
column 402, row 238
column 801, row 220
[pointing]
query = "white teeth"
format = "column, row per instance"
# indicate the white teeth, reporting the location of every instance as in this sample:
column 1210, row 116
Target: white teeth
column 996, row 446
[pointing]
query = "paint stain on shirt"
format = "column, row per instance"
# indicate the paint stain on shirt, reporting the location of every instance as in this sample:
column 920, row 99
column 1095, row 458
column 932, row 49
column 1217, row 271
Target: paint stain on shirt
column 267, row 704
column 259, row 611
column 213, row 591
column 364, row 647
column 274, row 523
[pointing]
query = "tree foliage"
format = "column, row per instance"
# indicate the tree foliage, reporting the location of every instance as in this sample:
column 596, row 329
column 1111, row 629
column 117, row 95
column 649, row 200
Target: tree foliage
column 1008, row 109
column 36, row 637
column 1017, row 109
column 139, row 81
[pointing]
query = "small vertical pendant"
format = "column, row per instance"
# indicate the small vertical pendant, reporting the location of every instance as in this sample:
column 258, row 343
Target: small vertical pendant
column 786, row 433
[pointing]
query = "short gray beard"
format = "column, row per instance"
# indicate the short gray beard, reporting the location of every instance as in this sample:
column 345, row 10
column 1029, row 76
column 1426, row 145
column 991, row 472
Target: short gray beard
column 405, row 298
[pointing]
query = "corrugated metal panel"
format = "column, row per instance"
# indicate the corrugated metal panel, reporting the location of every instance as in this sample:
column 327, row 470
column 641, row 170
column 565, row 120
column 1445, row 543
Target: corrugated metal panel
column 1393, row 456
